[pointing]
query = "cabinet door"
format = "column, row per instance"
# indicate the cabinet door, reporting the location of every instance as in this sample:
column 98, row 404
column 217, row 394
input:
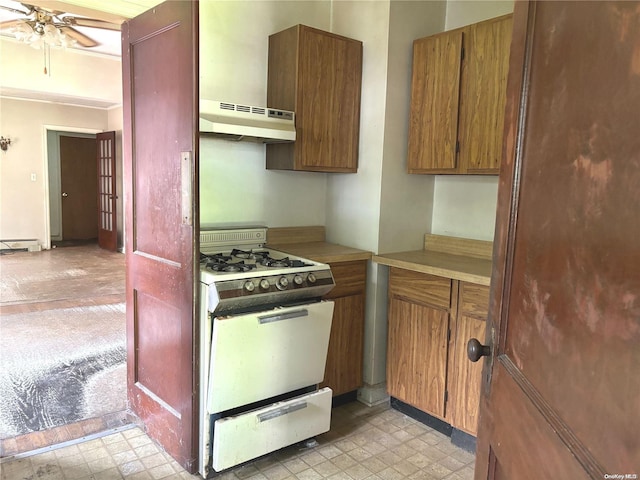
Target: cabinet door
column 343, row 372
column 433, row 121
column 466, row 376
column 328, row 101
column 417, row 355
column 483, row 93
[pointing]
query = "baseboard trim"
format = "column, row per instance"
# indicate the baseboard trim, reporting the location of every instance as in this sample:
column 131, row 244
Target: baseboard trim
column 372, row 395
column 423, row 417
column 344, row 398
column 463, row 440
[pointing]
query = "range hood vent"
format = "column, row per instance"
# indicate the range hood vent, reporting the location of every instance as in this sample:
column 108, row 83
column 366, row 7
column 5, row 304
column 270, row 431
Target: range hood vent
column 236, row 122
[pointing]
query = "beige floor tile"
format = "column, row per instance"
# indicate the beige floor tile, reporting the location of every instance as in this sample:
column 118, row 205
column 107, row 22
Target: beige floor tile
column 365, row 443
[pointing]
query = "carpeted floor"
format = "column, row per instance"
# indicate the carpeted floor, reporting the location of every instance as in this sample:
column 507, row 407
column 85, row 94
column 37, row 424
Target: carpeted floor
column 61, row 366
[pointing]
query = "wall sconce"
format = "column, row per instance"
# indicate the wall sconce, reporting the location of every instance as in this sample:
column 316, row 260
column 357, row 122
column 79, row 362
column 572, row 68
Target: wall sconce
column 4, row 143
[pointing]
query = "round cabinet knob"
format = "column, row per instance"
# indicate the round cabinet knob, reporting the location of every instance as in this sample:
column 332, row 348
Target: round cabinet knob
column 282, row 283
column 311, row 278
column 249, row 286
column 264, row 284
column 475, row 350
column 298, row 280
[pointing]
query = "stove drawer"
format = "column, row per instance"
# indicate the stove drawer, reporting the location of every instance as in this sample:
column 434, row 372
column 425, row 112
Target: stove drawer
column 261, row 355
column 252, row 434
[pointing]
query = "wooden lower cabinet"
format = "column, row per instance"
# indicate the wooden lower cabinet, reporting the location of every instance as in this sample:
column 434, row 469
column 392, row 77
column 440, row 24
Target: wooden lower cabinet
column 430, row 321
column 343, row 372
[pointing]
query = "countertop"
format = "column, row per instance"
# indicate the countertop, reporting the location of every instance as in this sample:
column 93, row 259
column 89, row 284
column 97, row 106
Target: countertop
column 450, row 257
column 323, row 252
column 309, row 242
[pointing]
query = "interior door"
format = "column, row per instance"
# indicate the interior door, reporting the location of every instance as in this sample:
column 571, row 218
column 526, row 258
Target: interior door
column 78, row 185
column 561, row 386
column 160, row 86
column 107, row 221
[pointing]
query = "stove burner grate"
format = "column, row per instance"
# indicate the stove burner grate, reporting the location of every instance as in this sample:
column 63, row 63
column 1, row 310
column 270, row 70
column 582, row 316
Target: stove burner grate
column 282, row 262
column 225, row 266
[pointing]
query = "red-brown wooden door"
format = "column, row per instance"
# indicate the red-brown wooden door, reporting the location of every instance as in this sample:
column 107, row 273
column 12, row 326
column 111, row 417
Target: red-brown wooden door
column 160, row 80
column 563, row 399
column 77, row 182
column 107, row 220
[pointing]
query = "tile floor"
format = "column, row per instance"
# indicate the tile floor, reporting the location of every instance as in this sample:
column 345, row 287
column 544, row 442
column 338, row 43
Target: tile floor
column 376, row 443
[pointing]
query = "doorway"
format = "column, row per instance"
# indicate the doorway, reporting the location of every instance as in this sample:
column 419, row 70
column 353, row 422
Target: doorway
column 73, row 196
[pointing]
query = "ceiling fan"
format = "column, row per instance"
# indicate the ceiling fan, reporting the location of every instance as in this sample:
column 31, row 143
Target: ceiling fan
column 52, row 27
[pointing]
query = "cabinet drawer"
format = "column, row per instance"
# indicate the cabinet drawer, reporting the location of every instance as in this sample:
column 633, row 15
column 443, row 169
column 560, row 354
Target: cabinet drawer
column 258, row 432
column 420, row 287
column 474, row 300
column 350, row 278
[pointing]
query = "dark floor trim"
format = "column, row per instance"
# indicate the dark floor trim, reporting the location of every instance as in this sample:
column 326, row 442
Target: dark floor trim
column 344, row 398
column 463, row 440
column 422, row 417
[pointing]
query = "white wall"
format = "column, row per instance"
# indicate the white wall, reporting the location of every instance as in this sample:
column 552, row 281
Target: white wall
column 74, row 77
column 382, row 208
column 235, row 186
column 23, row 202
column 465, row 206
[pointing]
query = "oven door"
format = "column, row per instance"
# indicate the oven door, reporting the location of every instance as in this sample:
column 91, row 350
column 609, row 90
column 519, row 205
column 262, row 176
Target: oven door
column 260, row 355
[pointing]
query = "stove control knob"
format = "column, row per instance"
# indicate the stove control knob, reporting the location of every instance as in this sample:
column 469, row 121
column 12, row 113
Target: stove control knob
column 282, row 283
column 249, row 286
column 298, row 280
column 311, row 278
column 264, row 284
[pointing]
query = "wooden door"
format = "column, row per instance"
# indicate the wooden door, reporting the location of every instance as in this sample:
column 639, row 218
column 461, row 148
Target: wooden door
column 417, row 355
column 465, row 377
column 561, row 390
column 328, row 101
column 483, row 93
column 160, row 78
column 107, row 220
column 435, row 93
column 78, row 184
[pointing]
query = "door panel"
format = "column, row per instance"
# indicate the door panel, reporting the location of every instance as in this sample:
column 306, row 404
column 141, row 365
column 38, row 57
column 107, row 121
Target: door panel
column 78, row 175
column 565, row 314
column 107, row 220
column 160, row 73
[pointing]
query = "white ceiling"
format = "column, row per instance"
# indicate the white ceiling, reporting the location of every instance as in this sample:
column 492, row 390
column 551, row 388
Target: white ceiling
column 115, row 11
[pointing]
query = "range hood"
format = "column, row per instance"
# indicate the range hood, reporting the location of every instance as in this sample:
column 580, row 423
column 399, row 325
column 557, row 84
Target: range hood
column 237, row 122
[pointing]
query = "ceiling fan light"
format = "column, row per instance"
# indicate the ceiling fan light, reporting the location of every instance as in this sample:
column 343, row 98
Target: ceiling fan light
column 23, row 32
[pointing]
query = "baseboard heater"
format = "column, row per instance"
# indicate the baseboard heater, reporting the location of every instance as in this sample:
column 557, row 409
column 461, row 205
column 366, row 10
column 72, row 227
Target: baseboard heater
column 27, row 245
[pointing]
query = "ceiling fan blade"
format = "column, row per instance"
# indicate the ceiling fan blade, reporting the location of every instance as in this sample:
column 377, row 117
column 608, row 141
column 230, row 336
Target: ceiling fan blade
column 81, row 38
column 10, row 23
column 33, row 8
column 90, row 22
column 15, row 10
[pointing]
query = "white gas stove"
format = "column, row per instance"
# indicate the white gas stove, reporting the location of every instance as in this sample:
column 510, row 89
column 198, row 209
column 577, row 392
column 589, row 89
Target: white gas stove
column 264, row 339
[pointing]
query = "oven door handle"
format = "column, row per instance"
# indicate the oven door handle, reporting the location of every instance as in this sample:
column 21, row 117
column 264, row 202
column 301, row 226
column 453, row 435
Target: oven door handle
column 263, row 417
column 277, row 317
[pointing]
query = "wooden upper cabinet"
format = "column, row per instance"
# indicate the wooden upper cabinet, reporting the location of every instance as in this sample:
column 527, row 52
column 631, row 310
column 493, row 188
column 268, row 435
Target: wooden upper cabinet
column 318, row 75
column 435, row 89
column 458, row 99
